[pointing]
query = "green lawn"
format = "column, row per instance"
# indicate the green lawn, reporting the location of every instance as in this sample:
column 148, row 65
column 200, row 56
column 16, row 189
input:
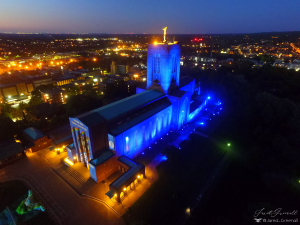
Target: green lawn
column 180, row 180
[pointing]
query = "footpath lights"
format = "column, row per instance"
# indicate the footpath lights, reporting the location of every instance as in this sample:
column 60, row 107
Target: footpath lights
column 208, row 97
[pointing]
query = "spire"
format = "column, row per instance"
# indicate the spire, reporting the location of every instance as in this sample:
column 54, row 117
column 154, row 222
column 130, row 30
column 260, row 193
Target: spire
column 165, row 34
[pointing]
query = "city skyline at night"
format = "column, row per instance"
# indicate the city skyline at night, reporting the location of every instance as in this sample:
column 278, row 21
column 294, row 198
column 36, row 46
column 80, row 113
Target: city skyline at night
column 131, row 16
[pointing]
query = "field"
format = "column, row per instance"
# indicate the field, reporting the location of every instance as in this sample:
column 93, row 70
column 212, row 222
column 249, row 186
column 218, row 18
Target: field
column 180, row 180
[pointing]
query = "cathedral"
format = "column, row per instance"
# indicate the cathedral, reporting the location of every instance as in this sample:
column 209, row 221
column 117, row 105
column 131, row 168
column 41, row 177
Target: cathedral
column 108, row 139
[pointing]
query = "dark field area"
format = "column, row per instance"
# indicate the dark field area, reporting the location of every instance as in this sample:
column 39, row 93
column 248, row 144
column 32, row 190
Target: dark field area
column 12, row 193
column 238, row 195
column 180, row 180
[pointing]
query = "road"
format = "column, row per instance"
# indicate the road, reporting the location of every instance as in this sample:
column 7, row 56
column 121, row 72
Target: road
column 67, row 207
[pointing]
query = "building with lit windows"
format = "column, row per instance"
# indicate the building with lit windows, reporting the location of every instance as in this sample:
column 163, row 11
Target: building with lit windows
column 54, row 95
column 108, row 139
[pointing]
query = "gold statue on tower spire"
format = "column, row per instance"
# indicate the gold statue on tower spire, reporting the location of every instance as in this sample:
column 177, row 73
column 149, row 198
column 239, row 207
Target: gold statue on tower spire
column 165, row 34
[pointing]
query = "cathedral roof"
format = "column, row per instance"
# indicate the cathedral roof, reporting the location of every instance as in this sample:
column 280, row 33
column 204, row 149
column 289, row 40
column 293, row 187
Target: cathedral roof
column 119, row 108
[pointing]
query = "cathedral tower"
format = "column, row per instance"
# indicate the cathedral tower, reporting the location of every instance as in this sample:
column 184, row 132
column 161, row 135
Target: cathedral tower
column 163, row 64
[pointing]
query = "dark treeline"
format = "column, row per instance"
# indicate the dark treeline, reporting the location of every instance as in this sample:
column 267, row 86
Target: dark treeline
column 264, row 121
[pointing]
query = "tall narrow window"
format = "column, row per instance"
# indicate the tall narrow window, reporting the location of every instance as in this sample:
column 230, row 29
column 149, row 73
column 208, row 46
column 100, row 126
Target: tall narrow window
column 155, row 64
column 136, row 139
column 127, row 145
column 173, row 64
column 158, row 64
column 143, row 133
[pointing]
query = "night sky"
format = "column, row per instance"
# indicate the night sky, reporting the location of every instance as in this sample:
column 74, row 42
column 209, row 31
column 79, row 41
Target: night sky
column 140, row 16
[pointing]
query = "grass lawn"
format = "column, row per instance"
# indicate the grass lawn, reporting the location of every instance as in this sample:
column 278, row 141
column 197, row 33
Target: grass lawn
column 180, row 180
column 240, row 193
column 12, row 193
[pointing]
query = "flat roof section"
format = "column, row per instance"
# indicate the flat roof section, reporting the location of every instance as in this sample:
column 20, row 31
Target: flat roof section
column 131, row 123
column 10, row 150
column 91, row 119
column 102, row 158
column 126, row 176
column 127, row 161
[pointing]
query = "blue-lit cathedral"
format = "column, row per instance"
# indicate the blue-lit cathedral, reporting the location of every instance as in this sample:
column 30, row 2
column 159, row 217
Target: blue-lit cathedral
column 108, row 139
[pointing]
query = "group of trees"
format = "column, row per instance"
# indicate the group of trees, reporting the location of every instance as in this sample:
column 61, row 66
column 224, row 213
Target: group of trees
column 265, row 117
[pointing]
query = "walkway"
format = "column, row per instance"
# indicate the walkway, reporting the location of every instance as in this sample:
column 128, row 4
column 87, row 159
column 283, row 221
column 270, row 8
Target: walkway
column 68, row 207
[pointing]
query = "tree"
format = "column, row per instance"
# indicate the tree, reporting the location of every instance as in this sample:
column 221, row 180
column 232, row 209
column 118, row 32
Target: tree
column 35, row 100
column 5, row 110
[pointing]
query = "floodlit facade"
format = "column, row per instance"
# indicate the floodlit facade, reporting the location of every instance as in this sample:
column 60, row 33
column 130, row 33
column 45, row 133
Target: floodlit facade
column 108, row 139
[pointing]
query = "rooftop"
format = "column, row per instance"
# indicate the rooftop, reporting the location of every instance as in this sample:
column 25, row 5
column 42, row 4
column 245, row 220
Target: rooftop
column 53, row 91
column 177, row 93
column 128, row 124
column 195, row 105
column 10, row 150
column 102, row 158
column 57, row 142
column 121, row 107
column 129, row 174
column 33, row 133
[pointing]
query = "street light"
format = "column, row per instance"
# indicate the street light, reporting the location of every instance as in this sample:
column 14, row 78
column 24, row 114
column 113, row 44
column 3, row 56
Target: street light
column 228, row 144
